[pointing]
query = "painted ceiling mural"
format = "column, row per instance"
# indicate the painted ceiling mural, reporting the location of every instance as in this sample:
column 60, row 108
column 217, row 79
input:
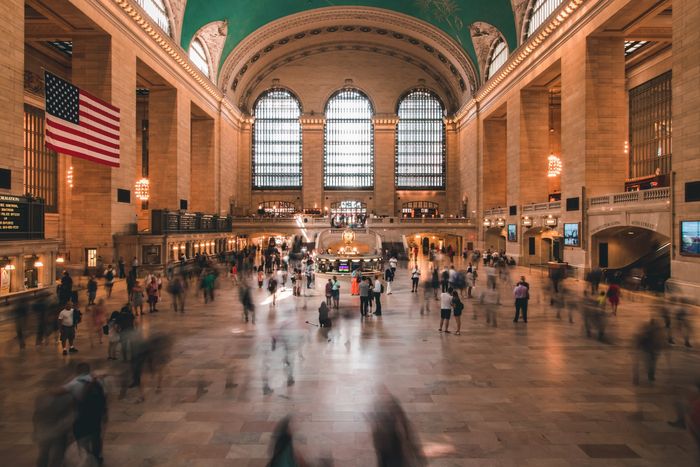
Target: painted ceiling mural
column 454, row 17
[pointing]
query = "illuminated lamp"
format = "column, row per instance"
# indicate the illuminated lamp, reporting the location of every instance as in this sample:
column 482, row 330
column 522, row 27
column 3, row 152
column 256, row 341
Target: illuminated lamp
column 487, row 223
column 553, row 166
column 69, row 177
column 527, row 222
column 142, row 189
column 38, row 264
column 60, row 260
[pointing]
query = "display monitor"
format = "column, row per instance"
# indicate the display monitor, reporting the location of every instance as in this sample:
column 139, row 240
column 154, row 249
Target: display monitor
column 572, row 235
column 343, row 266
column 512, row 233
column 690, row 238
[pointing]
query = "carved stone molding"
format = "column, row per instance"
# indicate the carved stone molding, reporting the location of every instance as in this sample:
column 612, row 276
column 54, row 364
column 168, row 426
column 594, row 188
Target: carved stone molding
column 214, row 36
column 519, row 9
column 483, row 36
column 284, row 30
column 177, row 15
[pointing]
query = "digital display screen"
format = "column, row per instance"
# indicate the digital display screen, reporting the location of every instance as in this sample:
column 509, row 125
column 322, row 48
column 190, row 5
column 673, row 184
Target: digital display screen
column 690, row 238
column 571, row 235
column 512, row 233
column 343, row 267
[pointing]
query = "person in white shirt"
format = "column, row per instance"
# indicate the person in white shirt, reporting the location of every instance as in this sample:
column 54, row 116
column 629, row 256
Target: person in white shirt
column 377, row 291
column 415, row 276
column 66, row 320
column 445, row 309
column 392, row 263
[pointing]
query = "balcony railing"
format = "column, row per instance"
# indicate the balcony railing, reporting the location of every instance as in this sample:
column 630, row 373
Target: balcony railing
column 629, row 197
column 541, row 207
column 496, row 212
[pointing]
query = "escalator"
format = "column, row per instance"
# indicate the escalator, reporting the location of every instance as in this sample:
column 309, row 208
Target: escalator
column 646, row 273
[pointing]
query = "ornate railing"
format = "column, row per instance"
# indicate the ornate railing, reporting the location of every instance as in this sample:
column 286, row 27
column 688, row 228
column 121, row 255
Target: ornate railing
column 656, row 194
column 541, row 207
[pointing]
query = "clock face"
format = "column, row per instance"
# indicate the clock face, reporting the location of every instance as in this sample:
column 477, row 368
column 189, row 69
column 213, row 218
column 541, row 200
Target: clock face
column 348, row 236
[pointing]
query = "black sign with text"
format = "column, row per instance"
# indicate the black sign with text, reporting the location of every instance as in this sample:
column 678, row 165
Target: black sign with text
column 21, row 218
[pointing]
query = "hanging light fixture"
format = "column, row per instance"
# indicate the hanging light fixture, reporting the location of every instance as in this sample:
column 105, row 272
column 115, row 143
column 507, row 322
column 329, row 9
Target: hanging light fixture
column 553, row 162
column 142, row 189
column 553, row 166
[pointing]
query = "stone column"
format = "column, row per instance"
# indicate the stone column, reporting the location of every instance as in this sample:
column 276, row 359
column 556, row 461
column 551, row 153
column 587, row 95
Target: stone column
column 244, row 178
column 12, row 94
column 95, row 213
column 453, row 185
column 204, row 169
column 686, row 134
column 384, row 159
column 494, row 163
column 594, row 129
column 168, row 148
column 312, row 162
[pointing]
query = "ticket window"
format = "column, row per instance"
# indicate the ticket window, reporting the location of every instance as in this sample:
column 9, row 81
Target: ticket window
column 91, row 257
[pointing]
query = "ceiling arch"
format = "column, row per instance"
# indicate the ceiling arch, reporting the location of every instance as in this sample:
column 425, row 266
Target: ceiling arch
column 453, row 17
column 372, row 30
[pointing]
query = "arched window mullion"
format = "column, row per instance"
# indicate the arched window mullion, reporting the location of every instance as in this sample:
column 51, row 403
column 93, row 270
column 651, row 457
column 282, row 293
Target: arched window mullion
column 348, row 162
column 157, row 11
column 498, row 57
column 420, row 143
column 277, row 143
column 538, row 14
column 199, row 57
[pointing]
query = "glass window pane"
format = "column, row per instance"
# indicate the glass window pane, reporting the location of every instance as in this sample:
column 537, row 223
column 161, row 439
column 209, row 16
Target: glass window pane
column 420, row 143
column 199, row 57
column 499, row 55
column 541, row 10
column 349, row 135
column 277, row 141
column 156, row 10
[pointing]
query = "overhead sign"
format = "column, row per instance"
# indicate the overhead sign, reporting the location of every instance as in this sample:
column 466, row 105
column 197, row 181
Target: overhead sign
column 21, row 218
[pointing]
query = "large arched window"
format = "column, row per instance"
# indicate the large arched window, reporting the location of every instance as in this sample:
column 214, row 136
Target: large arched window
column 538, row 14
column 199, row 56
column 498, row 56
column 420, row 143
column 157, row 11
column 348, row 161
column 277, row 141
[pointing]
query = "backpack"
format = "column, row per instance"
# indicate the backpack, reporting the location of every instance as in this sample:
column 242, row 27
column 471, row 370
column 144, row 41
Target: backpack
column 77, row 316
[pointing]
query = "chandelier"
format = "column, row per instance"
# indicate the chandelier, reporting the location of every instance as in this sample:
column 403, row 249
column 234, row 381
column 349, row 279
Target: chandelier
column 142, row 189
column 553, row 166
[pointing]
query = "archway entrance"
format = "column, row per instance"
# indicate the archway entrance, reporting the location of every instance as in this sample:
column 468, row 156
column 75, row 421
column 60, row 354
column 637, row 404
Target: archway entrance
column 540, row 246
column 495, row 239
column 638, row 258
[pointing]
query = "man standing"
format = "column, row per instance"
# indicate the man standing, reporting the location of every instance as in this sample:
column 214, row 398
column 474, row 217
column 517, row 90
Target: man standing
column 377, row 291
column 415, row 276
column 364, row 297
column 392, row 263
column 389, row 277
column 522, row 295
column 66, row 319
column 65, row 290
column 336, row 292
column 122, row 268
column 444, row 279
column 135, row 266
column 445, row 309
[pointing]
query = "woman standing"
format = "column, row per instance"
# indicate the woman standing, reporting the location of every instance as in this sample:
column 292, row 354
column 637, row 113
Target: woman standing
column 613, row 295
column 137, row 298
column 152, row 292
column 415, row 276
column 457, row 308
column 355, row 283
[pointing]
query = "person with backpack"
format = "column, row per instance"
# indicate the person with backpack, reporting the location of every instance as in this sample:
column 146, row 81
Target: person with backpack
column 109, row 280
column 457, row 308
column 90, row 410
column 68, row 320
column 272, row 288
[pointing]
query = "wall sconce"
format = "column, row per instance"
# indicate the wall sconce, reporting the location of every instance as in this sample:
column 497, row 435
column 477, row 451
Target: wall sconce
column 527, row 222
column 550, row 221
column 487, row 223
column 10, row 267
column 69, row 177
column 60, row 260
column 501, row 222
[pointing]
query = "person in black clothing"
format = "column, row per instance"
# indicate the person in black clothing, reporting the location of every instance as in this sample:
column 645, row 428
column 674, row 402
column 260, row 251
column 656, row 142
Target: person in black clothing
column 40, row 309
column 91, row 290
column 21, row 313
column 65, row 290
column 122, row 268
column 125, row 321
column 445, row 279
column 91, row 411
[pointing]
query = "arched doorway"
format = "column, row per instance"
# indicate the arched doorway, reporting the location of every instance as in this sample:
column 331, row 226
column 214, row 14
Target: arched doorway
column 637, row 257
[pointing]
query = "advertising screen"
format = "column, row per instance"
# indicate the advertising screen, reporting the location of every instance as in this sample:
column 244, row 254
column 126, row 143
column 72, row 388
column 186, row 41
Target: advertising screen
column 690, row 238
column 571, row 235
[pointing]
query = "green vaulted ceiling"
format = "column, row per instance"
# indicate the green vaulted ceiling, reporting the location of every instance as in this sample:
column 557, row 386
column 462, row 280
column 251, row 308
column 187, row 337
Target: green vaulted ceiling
column 452, row 16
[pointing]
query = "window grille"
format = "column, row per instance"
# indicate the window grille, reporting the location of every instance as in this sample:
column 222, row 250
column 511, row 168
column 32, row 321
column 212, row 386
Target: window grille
column 277, row 142
column 541, row 10
column 348, row 161
column 650, row 127
column 499, row 55
column 420, row 143
column 199, row 56
column 277, row 208
column 40, row 163
column 420, row 209
column 156, row 10
column 348, row 207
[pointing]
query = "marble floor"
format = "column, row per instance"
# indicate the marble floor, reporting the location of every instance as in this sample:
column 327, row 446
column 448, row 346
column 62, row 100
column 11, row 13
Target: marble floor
column 535, row 394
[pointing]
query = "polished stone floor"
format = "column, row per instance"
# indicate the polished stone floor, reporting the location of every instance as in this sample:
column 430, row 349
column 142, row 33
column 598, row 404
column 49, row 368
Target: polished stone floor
column 535, row 394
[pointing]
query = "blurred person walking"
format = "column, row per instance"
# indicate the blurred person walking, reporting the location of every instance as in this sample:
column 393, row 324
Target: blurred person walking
column 68, row 322
column 109, row 280
column 648, row 344
column 91, row 290
column 393, row 436
column 457, row 308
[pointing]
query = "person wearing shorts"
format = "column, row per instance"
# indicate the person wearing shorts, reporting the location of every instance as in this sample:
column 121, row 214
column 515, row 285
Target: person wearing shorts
column 445, row 309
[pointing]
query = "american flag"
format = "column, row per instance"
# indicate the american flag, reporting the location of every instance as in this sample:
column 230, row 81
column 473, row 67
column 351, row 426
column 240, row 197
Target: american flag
column 79, row 124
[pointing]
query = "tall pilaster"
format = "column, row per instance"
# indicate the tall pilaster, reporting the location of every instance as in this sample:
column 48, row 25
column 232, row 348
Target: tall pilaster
column 312, row 162
column 204, row 167
column 384, row 157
